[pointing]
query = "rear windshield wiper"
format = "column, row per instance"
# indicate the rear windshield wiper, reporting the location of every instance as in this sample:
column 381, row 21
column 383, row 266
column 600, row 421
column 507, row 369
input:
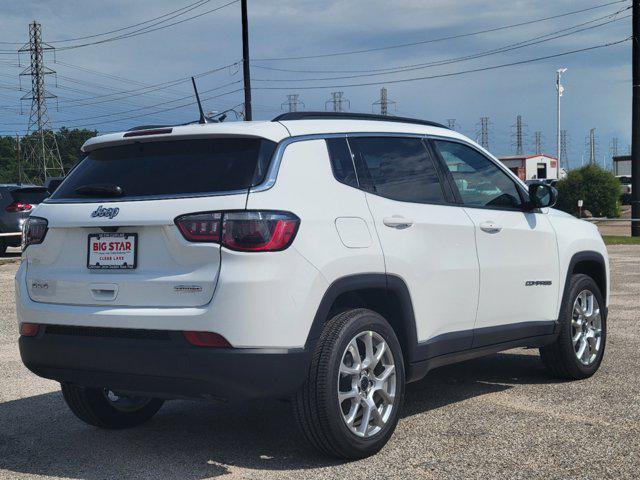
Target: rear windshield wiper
column 99, row 189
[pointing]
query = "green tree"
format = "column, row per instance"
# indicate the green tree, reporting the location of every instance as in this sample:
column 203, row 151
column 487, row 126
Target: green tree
column 69, row 144
column 599, row 189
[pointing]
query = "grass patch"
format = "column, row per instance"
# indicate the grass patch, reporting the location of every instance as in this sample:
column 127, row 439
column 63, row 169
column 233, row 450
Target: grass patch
column 619, row 240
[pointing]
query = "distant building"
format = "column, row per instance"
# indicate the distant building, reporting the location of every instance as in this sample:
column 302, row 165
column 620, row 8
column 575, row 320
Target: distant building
column 622, row 166
column 532, row 167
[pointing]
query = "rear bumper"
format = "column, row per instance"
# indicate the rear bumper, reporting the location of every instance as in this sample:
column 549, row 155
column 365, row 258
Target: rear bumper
column 162, row 365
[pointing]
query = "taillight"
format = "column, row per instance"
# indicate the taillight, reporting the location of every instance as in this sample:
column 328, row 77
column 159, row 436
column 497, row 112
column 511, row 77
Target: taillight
column 29, row 329
column 246, row 231
column 206, row 339
column 200, row 227
column 18, row 207
column 34, row 230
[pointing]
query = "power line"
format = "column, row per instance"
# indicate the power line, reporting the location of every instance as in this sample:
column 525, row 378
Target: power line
column 197, row 4
column 188, row 104
column 440, row 39
column 451, row 74
column 418, row 66
column 147, row 29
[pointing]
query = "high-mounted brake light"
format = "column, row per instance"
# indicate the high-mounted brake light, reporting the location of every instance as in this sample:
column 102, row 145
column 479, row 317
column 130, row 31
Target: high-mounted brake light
column 144, row 133
column 34, row 230
column 245, row 231
column 18, row 207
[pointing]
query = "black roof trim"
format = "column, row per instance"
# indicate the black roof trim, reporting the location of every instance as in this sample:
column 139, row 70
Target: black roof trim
column 352, row 116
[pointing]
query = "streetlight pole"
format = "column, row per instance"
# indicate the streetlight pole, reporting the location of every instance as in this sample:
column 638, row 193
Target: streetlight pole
column 635, row 122
column 560, row 91
column 245, row 62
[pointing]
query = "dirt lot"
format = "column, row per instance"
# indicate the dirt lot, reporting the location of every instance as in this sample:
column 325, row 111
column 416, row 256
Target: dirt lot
column 498, row 417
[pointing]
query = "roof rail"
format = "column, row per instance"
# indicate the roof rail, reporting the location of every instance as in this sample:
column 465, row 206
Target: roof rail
column 352, row 116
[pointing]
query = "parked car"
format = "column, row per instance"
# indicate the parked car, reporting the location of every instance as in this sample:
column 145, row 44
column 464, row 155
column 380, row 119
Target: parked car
column 625, row 189
column 325, row 258
column 16, row 203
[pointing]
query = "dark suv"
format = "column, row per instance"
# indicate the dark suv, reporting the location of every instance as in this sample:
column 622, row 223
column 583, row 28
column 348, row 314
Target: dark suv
column 16, row 203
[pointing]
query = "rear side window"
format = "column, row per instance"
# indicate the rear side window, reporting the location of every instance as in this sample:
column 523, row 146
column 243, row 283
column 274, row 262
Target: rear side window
column 481, row 182
column 397, row 168
column 178, row 167
column 341, row 161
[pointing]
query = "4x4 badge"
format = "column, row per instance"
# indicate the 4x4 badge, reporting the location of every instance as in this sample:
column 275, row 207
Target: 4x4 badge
column 105, row 212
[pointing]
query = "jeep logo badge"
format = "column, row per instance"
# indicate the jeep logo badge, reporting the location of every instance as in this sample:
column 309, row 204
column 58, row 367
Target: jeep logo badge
column 105, row 212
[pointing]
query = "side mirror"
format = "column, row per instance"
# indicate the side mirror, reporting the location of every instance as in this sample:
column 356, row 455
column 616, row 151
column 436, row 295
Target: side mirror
column 542, row 195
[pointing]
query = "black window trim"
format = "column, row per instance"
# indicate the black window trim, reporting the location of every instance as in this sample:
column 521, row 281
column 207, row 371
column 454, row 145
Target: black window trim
column 353, row 164
column 434, row 163
column 276, row 161
column 524, row 197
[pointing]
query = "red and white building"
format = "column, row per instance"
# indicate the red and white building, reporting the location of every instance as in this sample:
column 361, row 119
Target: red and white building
column 532, row 167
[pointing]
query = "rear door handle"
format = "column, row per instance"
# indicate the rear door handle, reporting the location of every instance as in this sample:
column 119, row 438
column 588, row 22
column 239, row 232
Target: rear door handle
column 397, row 221
column 490, row 227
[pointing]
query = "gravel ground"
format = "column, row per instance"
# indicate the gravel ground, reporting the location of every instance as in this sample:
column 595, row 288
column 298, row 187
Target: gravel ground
column 498, row 417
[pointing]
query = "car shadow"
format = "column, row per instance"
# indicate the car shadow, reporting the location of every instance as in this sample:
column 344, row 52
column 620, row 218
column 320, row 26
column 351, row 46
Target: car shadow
column 196, row 440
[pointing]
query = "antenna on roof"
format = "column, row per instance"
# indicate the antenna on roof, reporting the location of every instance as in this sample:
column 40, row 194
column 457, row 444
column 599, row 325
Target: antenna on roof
column 203, row 119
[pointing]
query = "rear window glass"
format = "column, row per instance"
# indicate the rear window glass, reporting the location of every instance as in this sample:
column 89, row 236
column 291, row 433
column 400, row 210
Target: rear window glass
column 32, row 196
column 174, row 168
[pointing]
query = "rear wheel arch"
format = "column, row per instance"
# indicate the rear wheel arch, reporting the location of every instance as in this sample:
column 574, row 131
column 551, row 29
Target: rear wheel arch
column 387, row 295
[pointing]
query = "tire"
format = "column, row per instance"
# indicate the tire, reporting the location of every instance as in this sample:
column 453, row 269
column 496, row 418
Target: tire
column 561, row 357
column 93, row 406
column 3, row 246
column 318, row 412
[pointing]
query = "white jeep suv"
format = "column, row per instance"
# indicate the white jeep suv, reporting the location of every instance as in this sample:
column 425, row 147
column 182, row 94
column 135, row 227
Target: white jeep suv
column 326, row 258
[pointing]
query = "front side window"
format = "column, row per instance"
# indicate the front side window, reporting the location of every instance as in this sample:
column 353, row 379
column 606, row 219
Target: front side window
column 481, row 183
column 396, row 168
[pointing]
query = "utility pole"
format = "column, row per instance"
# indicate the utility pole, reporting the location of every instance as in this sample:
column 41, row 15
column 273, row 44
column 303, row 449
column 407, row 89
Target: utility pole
column 484, row 132
column 560, row 91
column 337, row 101
column 384, row 102
column 246, row 68
column 519, row 136
column 293, row 100
column 635, row 123
column 592, row 147
column 41, row 156
column 18, row 159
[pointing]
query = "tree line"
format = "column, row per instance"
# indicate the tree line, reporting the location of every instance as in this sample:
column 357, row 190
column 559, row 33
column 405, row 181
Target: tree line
column 69, row 144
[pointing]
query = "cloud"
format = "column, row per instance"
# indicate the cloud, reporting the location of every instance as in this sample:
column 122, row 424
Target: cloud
column 598, row 89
